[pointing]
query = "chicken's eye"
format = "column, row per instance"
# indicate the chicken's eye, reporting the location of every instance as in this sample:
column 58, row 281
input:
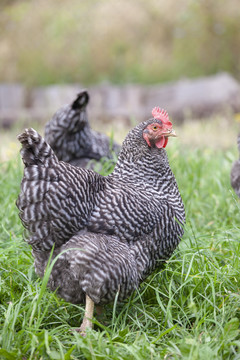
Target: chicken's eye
column 154, row 127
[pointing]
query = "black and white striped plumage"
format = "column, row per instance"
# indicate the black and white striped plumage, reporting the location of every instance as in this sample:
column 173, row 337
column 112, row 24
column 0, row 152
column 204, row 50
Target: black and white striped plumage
column 235, row 172
column 71, row 137
column 124, row 225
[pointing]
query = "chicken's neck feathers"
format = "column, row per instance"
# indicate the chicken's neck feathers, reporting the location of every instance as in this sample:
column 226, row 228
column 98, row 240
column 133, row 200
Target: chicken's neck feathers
column 144, row 165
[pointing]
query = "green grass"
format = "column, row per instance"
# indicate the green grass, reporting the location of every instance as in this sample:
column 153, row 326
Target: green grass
column 190, row 310
column 92, row 41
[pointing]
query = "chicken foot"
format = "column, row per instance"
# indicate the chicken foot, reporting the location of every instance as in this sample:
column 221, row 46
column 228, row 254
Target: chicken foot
column 87, row 320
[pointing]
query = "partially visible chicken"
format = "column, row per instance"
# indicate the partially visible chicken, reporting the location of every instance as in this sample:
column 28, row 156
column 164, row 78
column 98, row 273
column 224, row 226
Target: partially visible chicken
column 70, row 136
column 117, row 228
column 235, row 172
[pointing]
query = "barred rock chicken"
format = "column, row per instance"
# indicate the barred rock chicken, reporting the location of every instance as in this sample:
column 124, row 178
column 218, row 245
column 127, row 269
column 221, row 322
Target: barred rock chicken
column 70, row 136
column 235, row 172
column 109, row 232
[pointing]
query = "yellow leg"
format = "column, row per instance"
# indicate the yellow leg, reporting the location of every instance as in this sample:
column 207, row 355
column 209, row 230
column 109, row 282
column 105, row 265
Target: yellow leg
column 87, row 323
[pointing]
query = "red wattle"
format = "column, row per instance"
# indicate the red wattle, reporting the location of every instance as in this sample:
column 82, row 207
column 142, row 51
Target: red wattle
column 162, row 142
column 166, row 141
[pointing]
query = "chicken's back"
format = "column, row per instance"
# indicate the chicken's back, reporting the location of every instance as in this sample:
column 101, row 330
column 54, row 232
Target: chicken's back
column 55, row 198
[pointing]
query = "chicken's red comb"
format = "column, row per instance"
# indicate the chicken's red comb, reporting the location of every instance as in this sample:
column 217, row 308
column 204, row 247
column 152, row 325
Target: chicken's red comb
column 162, row 115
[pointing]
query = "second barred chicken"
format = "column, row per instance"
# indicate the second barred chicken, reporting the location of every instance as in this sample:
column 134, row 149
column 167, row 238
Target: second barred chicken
column 70, row 136
column 111, row 231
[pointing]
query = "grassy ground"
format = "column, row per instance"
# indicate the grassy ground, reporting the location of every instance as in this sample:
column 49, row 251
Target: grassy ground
column 191, row 310
column 78, row 41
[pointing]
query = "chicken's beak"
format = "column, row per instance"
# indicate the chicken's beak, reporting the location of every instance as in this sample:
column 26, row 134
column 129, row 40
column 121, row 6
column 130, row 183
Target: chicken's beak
column 170, row 133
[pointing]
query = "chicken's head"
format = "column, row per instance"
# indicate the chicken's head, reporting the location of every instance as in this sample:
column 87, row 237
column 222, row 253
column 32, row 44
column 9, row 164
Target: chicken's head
column 157, row 132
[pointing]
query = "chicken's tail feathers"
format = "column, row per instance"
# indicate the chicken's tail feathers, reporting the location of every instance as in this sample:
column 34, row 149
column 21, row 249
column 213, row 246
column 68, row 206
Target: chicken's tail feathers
column 81, row 100
column 35, row 150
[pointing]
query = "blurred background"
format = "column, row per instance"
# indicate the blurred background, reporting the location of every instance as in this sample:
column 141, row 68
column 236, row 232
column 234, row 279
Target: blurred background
column 130, row 55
